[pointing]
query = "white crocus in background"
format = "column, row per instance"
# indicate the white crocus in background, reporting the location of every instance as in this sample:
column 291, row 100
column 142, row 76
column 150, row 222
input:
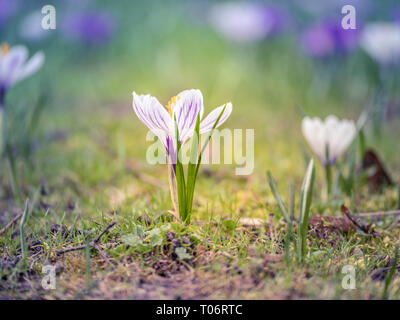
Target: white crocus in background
column 182, row 115
column 382, row 42
column 328, row 139
column 15, row 67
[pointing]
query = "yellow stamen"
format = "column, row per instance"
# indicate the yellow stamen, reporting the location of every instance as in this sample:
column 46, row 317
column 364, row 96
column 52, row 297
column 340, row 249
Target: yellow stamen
column 171, row 104
column 5, row 48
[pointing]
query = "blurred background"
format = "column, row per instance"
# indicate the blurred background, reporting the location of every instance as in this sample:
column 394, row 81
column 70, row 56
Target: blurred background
column 275, row 60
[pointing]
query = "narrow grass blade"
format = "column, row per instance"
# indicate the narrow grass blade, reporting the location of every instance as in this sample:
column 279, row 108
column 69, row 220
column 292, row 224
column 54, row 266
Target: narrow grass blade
column 328, row 172
column 389, row 277
column 291, row 202
column 278, row 198
column 362, row 144
column 305, row 204
column 398, row 197
column 22, row 232
column 13, row 174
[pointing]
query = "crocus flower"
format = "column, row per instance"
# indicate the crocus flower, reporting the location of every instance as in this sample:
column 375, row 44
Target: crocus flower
column 31, row 29
column 247, row 22
column 329, row 38
column 334, row 134
column 14, row 66
column 184, row 107
column 396, row 16
column 89, row 27
column 180, row 115
column 382, row 42
column 7, row 9
column 332, row 8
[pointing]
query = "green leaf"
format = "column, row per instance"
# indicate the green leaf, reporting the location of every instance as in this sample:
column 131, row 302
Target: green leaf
column 278, row 198
column 291, row 201
column 328, row 172
column 229, row 224
column 180, row 178
column 182, row 254
column 389, row 277
column 139, row 231
column 305, row 204
column 156, row 239
column 132, row 240
column 191, row 173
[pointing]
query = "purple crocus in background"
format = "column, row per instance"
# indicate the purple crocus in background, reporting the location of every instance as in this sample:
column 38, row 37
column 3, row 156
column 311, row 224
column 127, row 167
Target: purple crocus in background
column 332, row 8
column 396, row 15
column 247, row 22
column 89, row 27
column 329, row 38
column 7, row 9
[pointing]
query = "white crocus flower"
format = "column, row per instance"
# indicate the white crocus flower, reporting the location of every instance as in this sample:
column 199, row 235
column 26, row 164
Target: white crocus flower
column 185, row 107
column 332, row 133
column 14, row 66
column 179, row 116
column 382, row 42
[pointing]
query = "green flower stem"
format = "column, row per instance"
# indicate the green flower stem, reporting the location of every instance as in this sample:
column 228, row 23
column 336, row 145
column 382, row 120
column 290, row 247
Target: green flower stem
column 328, row 175
column 173, row 189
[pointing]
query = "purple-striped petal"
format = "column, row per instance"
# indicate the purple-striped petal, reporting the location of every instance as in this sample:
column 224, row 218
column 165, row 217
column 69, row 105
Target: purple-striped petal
column 33, row 65
column 207, row 124
column 154, row 116
column 187, row 106
column 11, row 63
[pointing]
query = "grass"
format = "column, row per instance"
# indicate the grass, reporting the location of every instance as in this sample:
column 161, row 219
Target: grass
column 93, row 178
column 88, row 162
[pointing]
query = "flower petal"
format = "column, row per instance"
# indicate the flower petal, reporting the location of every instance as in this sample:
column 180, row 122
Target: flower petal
column 34, row 64
column 207, row 124
column 153, row 115
column 313, row 132
column 188, row 105
column 11, row 64
column 337, row 134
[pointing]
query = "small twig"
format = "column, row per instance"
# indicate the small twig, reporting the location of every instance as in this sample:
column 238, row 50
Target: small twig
column 394, row 224
column 70, row 249
column 11, row 223
column 378, row 214
column 93, row 244
column 104, row 231
column 101, row 252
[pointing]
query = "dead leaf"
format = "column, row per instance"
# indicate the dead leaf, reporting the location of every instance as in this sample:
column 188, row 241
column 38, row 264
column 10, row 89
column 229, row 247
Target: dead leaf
column 273, row 258
column 357, row 222
column 251, row 222
column 344, row 224
column 376, row 173
column 331, row 224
